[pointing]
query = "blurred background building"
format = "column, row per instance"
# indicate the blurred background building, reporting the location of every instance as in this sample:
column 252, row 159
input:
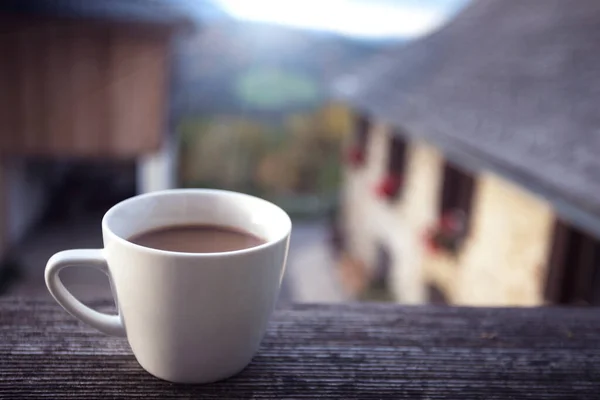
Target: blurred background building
column 471, row 176
column 428, row 151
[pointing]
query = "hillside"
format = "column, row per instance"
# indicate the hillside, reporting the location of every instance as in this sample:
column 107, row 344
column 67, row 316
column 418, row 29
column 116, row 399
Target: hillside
column 252, row 68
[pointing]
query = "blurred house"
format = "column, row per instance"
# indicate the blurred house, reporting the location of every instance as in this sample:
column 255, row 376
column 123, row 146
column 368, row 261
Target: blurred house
column 84, row 82
column 473, row 173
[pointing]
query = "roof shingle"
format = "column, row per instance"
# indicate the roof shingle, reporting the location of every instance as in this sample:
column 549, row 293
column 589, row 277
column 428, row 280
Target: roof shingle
column 512, row 85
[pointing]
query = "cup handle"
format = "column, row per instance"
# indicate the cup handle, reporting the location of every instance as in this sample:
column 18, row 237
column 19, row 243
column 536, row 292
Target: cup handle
column 106, row 323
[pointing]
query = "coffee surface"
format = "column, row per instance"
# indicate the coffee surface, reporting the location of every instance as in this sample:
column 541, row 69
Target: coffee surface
column 197, row 239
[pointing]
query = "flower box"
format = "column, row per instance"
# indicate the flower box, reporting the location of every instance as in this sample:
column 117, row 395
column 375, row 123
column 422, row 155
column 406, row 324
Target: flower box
column 448, row 234
column 389, row 187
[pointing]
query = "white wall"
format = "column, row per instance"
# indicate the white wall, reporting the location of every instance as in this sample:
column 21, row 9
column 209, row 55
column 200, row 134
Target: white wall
column 398, row 224
column 158, row 171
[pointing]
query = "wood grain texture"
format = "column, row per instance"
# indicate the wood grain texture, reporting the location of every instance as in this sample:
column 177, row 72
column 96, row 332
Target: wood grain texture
column 75, row 88
column 326, row 351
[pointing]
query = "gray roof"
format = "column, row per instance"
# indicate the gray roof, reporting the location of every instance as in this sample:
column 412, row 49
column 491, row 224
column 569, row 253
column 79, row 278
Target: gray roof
column 512, row 86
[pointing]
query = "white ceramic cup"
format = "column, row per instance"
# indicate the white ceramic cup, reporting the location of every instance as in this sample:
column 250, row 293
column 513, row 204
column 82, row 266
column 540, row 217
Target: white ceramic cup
column 188, row 317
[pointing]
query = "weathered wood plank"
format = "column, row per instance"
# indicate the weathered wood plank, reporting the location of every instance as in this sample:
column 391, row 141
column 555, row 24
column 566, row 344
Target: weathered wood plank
column 327, row 351
column 77, row 88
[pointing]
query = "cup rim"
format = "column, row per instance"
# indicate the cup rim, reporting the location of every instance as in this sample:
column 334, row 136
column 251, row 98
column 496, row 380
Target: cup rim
column 124, row 242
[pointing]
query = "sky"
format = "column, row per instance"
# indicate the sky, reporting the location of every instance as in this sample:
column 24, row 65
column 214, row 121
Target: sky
column 369, row 19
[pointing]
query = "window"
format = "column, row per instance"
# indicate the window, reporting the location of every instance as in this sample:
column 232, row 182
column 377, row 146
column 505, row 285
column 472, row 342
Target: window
column 392, row 183
column 455, row 209
column 436, row 295
column 397, row 159
column 362, row 129
column 358, row 150
column 574, row 267
column 383, row 268
column 379, row 288
column 457, row 194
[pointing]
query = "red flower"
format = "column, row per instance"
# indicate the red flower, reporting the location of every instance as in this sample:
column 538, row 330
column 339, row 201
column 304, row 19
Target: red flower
column 389, row 186
column 430, row 243
column 356, row 156
column 452, row 221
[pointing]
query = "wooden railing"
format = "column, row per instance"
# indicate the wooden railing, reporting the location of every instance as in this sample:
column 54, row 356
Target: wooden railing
column 325, row 351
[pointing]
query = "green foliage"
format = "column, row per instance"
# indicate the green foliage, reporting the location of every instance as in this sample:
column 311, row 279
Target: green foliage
column 295, row 163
